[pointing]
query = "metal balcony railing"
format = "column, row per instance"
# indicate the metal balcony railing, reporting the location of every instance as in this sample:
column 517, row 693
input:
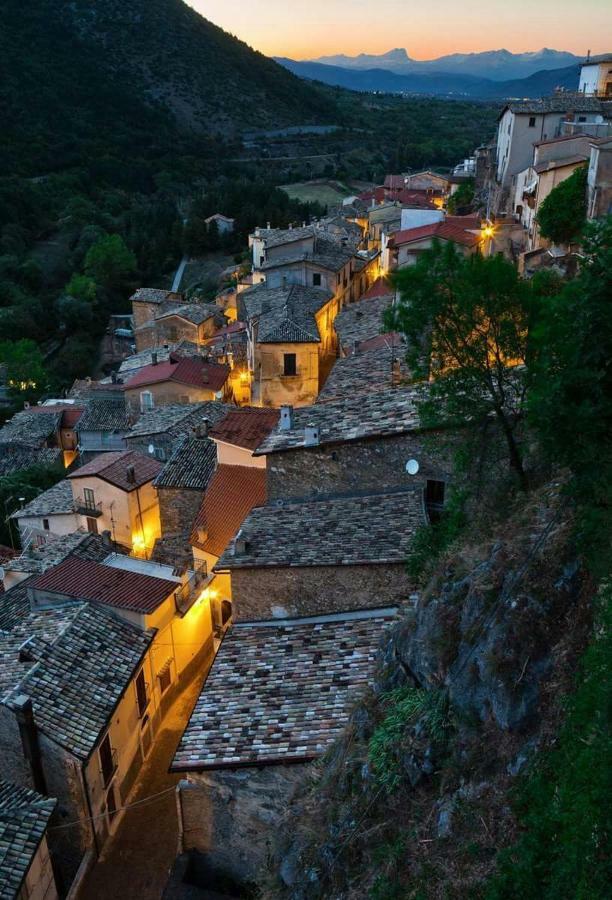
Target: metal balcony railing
column 187, row 593
column 86, row 508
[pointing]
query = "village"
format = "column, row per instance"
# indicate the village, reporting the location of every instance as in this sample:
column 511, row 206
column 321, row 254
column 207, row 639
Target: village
column 188, row 616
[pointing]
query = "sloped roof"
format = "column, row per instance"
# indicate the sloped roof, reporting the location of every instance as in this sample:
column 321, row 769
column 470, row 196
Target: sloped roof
column 24, row 816
column 367, row 371
column 57, row 500
column 177, row 418
column 352, row 418
column 15, row 457
column 39, row 559
column 379, row 288
column 245, row 427
column 191, row 465
column 105, row 415
column 112, row 467
column 281, row 691
column 445, row 231
column 196, row 313
column 362, row 320
column 231, row 495
column 154, row 295
column 347, row 531
column 192, row 371
column 31, row 427
column 276, row 237
column 85, row 579
column 285, row 314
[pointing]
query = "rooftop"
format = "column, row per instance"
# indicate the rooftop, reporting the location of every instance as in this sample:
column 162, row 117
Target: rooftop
column 196, row 313
column 113, row 467
column 559, row 103
column 31, row 427
column 352, row 418
column 78, row 675
column 154, row 295
column 231, row 495
column 177, row 418
column 145, row 357
column 362, row 320
column 15, row 457
column 326, row 254
column 193, row 371
column 105, row 415
column 281, row 691
column 83, row 579
column 366, row 371
column 38, row 559
column 446, row 231
column 276, row 237
column 191, row 465
column 24, row 816
column 56, row 500
column 348, row 531
column 379, row 288
column 286, row 314
column 245, row 427
column 551, row 164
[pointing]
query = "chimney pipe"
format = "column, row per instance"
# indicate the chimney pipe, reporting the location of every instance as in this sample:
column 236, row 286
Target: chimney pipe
column 201, row 429
column 154, row 358
column 396, row 372
column 130, row 474
column 106, row 539
column 24, row 713
column 286, row 418
column 311, row 435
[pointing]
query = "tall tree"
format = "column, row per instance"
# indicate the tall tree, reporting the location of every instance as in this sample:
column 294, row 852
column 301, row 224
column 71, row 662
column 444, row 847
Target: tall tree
column 563, row 213
column 467, row 325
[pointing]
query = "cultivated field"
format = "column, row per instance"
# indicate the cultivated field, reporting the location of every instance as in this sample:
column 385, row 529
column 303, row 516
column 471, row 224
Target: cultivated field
column 326, row 192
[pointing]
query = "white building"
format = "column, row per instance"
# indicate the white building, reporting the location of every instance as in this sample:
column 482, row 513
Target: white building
column 596, row 77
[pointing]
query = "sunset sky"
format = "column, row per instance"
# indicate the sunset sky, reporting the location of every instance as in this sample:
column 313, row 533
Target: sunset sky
column 305, row 30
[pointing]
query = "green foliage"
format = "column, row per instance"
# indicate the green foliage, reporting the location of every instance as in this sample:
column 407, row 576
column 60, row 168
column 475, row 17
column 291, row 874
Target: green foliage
column 81, row 287
column 432, row 540
column 562, row 215
column 571, row 398
column 463, row 198
column 109, row 262
column 403, row 707
column 467, row 319
column 25, row 371
column 563, row 803
column 28, row 483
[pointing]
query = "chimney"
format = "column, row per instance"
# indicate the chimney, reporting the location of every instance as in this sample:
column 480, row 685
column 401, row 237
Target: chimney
column 22, row 707
column 240, row 545
column 130, row 474
column 311, row 435
column 26, row 404
column 268, row 226
column 201, row 429
column 355, row 347
column 154, row 358
column 396, row 373
column 107, row 539
column 113, row 377
column 290, row 226
column 286, row 418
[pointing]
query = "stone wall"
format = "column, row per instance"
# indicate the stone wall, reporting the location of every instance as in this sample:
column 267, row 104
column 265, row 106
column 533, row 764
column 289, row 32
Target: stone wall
column 316, row 590
column 360, row 465
column 231, row 815
column 177, row 510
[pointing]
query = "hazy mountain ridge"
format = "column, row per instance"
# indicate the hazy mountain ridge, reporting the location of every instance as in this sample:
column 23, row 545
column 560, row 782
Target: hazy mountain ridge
column 436, row 83
column 496, row 65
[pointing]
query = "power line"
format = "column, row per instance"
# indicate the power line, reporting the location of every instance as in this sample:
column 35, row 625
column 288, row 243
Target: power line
column 140, row 802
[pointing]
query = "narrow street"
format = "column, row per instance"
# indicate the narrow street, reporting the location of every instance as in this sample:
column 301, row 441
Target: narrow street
column 136, row 862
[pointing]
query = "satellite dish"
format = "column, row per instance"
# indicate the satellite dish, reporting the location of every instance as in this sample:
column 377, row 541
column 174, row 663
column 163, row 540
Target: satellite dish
column 151, row 449
column 412, row 467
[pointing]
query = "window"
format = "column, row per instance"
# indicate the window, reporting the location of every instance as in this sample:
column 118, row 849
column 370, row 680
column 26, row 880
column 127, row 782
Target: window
column 141, row 693
column 582, row 118
column 165, row 679
column 92, row 525
column 146, row 400
column 289, row 364
column 46, row 524
column 434, row 499
column 316, row 279
column 532, row 121
column 90, row 498
column 108, row 760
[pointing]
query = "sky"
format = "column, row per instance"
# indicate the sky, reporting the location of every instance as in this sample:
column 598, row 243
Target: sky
column 306, row 30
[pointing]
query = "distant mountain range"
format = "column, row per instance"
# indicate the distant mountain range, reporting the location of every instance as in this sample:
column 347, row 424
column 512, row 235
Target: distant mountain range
column 438, row 83
column 496, row 65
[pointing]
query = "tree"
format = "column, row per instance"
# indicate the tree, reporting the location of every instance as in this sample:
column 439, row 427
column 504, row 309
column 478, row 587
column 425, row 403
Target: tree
column 27, row 483
column 571, row 397
column 467, row 322
column 110, row 262
column 25, row 371
column 462, row 198
column 81, row 287
column 563, row 213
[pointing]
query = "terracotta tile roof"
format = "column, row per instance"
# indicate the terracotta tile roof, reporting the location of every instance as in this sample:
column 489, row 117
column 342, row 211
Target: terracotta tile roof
column 193, row 371
column 415, row 199
column 191, row 465
column 350, row 419
column 348, row 531
column 395, row 182
column 24, row 816
column 84, row 579
column 378, row 194
column 281, row 691
column 231, row 495
column 446, row 231
column 380, row 288
column 245, row 427
column 113, row 467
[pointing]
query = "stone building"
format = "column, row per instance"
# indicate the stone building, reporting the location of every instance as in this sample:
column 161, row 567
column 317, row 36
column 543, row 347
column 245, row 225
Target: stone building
column 313, row 557
column 378, row 364
column 165, row 317
column 240, row 432
column 104, row 424
column 357, row 443
column 180, row 488
column 276, row 697
column 363, row 320
column 159, row 431
column 180, row 379
column 26, row 869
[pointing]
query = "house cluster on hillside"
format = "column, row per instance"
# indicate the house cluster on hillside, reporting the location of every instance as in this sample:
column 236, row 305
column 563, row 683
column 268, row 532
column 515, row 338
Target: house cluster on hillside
column 235, row 505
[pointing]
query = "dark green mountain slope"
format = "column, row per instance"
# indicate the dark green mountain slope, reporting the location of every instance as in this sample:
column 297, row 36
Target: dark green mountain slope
column 77, row 76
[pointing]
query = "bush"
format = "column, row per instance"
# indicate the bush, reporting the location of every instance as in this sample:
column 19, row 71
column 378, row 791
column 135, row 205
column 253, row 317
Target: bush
column 563, row 214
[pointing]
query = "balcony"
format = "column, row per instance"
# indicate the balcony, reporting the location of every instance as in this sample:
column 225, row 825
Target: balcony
column 188, row 593
column 86, row 508
column 109, row 766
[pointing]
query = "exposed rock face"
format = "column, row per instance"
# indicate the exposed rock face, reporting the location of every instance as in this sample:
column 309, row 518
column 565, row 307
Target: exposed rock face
column 482, row 655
